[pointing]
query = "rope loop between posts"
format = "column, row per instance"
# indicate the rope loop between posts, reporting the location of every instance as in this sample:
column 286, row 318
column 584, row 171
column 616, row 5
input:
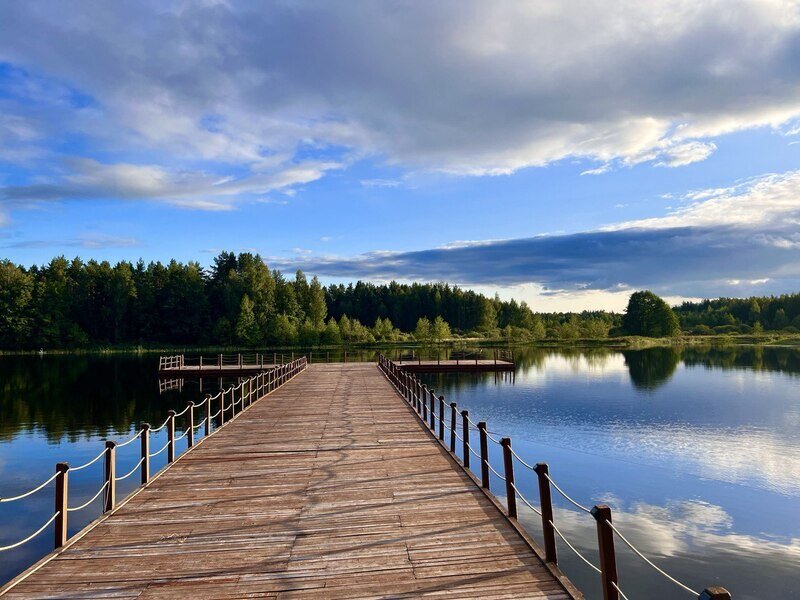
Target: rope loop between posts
column 156, row 453
column 216, row 414
column 563, row 493
column 492, row 469
column 525, row 500
column 648, row 561
column 131, row 472
column 29, row 492
column 90, row 463
column 160, row 427
column 180, row 437
column 90, row 500
column 521, row 460
column 31, row 536
column 179, row 414
column 619, row 591
column 571, row 547
column 130, row 440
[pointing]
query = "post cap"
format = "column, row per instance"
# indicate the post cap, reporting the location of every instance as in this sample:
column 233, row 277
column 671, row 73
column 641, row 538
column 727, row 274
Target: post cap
column 481, row 424
column 505, row 442
column 541, row 468
column 441, row 397
column 110, row 444
column 62, row 467
column 464, row 413
column 145, row 426
column 453, row 404
column 715, row 593
column 170, row 413
column 601, row 512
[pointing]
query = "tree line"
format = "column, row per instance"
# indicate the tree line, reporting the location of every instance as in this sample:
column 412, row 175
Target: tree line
column 240, row 301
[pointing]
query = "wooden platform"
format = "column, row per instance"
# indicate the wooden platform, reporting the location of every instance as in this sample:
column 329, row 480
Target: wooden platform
column 455, row 366
column 195, row 371
column 328, row 488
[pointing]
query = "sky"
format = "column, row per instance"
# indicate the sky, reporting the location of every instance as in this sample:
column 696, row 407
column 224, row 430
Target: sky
column 560, row 152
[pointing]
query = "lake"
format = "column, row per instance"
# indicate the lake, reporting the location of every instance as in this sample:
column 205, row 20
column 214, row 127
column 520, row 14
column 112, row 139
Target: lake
column 697, row 451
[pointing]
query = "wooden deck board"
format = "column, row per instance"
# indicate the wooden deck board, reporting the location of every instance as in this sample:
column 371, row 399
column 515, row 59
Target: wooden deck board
column 328, row 488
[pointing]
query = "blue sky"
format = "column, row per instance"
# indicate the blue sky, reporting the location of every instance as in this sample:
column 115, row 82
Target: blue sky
column 564, row 153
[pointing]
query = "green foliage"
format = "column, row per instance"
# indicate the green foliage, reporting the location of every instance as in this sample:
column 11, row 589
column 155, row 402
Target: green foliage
column 16, row 288
column 422, row 332
column 247, row 331
column 440, row 331
column 649, row 315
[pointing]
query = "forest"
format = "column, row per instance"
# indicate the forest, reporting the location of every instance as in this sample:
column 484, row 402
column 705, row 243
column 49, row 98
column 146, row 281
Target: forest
column 240, row 301
column 69, row 304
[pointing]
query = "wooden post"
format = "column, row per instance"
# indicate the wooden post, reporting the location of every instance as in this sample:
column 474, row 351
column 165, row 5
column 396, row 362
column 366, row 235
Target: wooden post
column 62, row 487
column 207, row 427
column 432, row 399
column 715, row 593
column 508, row 464
column 441, row 418
column 110, row 475
column 608, row 558
column 190, row 435
column 465, row 436
column 453, row 427
column 424, row 403
column 145, row 452
column 170, row 436
column 219, row 360
column 240, row 361
column 222, row 408
column 546, row 503
column 484, row 443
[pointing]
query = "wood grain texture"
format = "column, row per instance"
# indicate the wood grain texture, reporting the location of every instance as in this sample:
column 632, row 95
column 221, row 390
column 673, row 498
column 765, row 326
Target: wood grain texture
column 327, row 488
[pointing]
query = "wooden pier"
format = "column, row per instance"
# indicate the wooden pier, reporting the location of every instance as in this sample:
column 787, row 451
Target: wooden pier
column 330, row 487
column 329, row 480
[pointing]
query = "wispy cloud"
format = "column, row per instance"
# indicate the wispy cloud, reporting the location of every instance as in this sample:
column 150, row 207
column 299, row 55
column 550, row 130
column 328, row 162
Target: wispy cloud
column 88, row 241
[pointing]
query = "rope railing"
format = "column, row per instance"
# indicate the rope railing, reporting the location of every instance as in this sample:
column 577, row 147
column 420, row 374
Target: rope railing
column 258, row 386
column 90, row 500
column 29, row 492
column 421, row 400
column 31, row 536
column 90, row 463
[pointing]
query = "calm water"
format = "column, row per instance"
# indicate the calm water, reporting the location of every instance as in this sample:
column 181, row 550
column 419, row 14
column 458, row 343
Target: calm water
column 697, row 452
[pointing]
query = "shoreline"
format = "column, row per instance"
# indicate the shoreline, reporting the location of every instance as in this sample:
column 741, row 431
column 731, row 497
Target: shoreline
column 615, row 343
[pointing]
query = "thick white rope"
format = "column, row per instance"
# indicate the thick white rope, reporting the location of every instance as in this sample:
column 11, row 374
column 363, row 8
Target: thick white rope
column 525, row 500
column 90, row 500
column 91, row 462
column 33, row 535
column 560, row 491
column 164, row 447
column 648, row 561
column 126, row 442
column 131, row 472
column 29, row 492
column 571, row 547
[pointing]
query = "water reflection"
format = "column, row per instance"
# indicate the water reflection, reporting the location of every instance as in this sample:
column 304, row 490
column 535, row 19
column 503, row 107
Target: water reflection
column 696, row 449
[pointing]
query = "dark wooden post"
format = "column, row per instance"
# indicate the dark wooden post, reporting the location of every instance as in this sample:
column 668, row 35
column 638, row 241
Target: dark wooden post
column 465, row 435
column 715, row 593
column 170, row 436
column 190, row 435
column 208, row 415
column 110, row 475
column 546, row 503
column 240, row 361
column 441, row 418
column 424, row 403
column 62, row 487
column 219, row 360
column 453, row 427
column 608, row 558
column 484, row 443
column 431, row 401
column 145, row 451
column 222, row 408
column 508, row 467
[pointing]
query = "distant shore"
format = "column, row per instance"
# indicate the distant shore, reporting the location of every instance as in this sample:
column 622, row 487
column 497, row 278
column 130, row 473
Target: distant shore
column 776, row 339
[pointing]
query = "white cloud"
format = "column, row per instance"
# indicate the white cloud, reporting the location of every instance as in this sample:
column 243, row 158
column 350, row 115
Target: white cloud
column 88, row 179
column 464, row 87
